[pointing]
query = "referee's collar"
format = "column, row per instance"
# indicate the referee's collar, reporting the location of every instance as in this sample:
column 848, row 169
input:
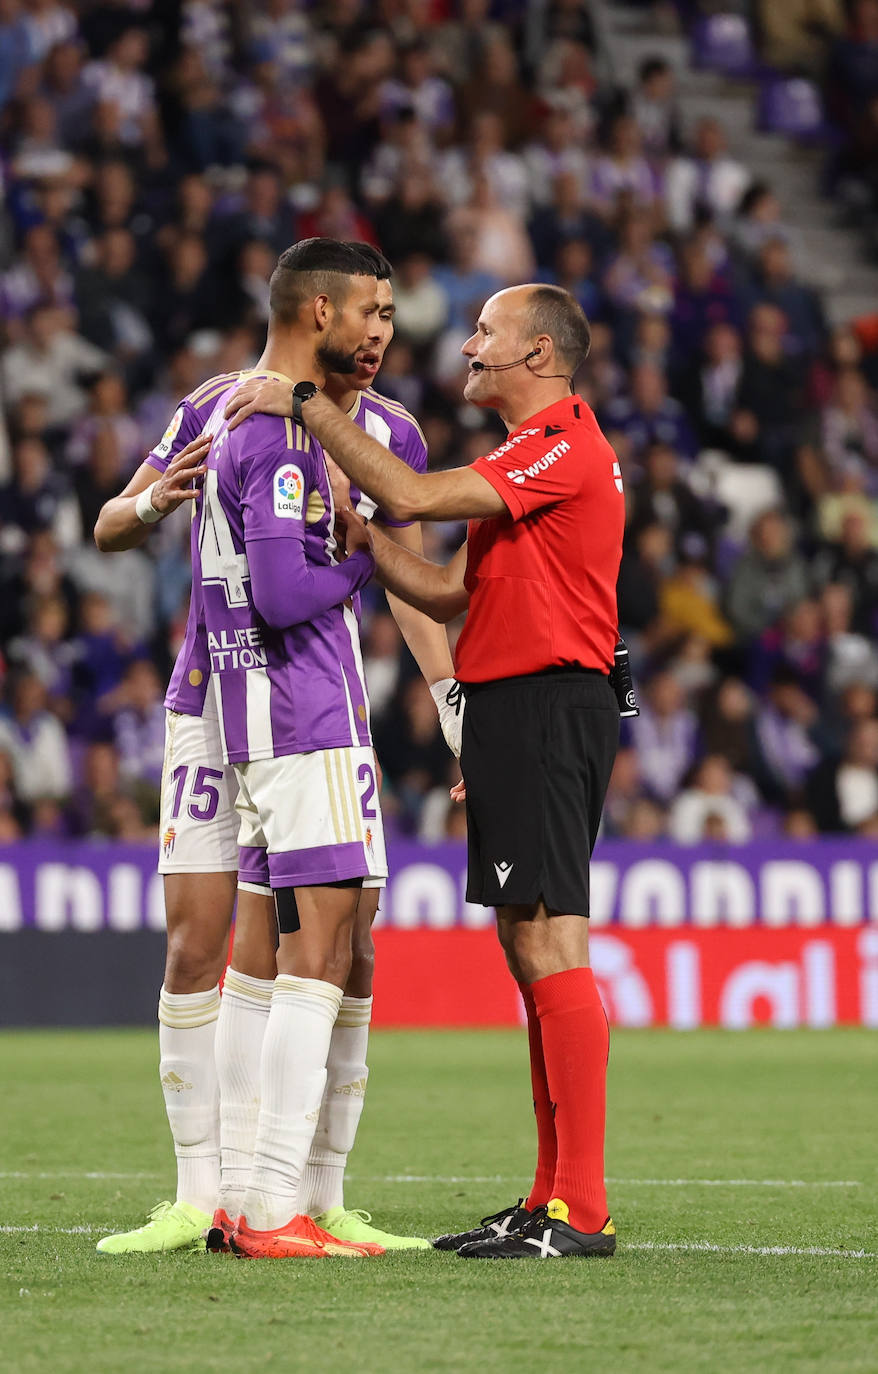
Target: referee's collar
column 555, row 418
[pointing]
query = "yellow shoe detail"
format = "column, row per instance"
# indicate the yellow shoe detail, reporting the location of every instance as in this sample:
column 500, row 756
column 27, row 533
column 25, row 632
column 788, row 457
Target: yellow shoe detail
column 609, row 1229
column 558, row 1210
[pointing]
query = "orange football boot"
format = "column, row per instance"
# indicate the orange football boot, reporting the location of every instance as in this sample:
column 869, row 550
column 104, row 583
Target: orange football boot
column 299, row 1239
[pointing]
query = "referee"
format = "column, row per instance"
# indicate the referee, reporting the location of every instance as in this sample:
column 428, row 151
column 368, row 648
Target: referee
column 537, row 579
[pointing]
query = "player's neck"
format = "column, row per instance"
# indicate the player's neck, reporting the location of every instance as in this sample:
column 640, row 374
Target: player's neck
column 518, row 407
column 291, row 359
column 345, row 397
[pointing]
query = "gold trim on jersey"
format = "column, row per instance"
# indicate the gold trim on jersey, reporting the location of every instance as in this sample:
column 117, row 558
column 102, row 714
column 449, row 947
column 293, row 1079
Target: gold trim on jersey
column 215, row 394
column 199, row 391
column 315, row 509
column 355, row 408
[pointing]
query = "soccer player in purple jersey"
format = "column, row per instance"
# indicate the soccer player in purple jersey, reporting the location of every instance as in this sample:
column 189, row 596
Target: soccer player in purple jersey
column 199, row 859
column 291, row 699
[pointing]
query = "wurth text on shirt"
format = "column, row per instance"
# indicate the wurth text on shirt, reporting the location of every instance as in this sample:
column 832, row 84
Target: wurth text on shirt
column 520, row 475
column 237, row 648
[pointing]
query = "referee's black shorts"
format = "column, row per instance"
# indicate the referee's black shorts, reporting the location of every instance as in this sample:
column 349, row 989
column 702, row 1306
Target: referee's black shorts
column 536, row 759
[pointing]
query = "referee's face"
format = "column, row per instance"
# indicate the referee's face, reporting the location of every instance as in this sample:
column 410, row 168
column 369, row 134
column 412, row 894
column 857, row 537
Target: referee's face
column 499, row 339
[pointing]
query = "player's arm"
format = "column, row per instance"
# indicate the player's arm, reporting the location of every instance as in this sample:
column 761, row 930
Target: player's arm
column 401, row 493
column 286, row 588
column 436, row 591
column 428, row 644
column 124, row 521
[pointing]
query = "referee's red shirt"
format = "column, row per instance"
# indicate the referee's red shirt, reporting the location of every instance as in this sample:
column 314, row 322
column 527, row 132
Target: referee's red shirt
column 542, row 579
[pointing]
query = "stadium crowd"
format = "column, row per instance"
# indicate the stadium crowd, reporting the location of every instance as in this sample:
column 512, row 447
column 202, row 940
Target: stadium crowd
column 156, row 159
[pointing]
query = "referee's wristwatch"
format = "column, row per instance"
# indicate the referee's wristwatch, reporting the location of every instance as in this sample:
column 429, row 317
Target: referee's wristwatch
column 302, row 392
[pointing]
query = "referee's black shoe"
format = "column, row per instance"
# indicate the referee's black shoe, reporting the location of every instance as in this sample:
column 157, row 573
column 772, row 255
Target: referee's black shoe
column 495, row 1227
column 547, row 1234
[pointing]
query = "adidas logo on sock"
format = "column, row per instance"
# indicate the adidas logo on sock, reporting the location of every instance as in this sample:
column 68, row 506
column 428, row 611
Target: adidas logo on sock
column 174, row 1081
column 355, row 1089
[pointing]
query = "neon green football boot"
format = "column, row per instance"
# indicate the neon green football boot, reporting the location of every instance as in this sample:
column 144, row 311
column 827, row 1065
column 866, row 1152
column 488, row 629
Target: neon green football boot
column 171, row 1226
column 355, row 1226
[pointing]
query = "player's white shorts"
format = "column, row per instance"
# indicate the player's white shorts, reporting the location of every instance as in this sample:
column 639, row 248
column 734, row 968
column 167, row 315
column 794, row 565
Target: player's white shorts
column 317, row 815
column 199, row 824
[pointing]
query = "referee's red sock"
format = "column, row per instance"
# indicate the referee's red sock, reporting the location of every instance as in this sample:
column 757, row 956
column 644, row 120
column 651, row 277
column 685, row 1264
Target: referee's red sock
column 575, row 1043
column 544, row 1179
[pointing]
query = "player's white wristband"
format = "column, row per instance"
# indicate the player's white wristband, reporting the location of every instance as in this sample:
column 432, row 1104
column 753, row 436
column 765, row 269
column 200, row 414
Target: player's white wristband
column 450, row 702
column 144, row 509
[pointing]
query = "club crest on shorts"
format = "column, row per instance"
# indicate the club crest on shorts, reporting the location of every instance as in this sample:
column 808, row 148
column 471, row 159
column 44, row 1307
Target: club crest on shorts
column 168, row 840
column 288, row 487
column 368, row 841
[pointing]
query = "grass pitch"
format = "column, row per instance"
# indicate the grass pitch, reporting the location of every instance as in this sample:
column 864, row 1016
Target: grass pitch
column 722, row 1148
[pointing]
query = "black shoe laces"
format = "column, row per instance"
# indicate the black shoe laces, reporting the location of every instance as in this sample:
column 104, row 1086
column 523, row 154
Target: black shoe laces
column 501, row 1215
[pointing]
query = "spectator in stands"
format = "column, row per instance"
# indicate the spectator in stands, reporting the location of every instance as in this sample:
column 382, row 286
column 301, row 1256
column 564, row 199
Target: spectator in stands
column 853, row 562
column 649, row 416
column 710, row 391
column 768, row 577
column 843, row 794
column 776, row 284
column 654, row 107
column 51, row 360
column 707, row 184
column 767, row 416
column 138, row 718
column 621, row 172
column 787, row 737
column 665, row 736
column 708, row 809
column 36, row 743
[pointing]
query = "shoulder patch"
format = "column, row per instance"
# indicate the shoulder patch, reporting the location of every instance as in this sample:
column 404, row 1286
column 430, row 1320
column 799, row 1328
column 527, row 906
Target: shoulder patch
column 551, row 430
column 288, row 492
column 163, row 447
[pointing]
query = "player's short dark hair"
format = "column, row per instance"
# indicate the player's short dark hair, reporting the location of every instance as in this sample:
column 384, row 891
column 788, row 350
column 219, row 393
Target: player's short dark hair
column 552, row 310
column 383, row 269
column 310, row 268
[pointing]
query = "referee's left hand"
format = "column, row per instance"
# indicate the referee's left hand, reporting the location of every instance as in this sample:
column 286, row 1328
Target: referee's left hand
column 254, row 397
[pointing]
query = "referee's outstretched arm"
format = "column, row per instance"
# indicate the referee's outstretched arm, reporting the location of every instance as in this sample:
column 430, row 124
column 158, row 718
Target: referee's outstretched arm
column 435, row 589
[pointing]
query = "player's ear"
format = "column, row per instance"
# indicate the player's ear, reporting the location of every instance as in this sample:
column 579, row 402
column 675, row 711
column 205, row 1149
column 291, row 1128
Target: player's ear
column 544, row 347
column 323, row 311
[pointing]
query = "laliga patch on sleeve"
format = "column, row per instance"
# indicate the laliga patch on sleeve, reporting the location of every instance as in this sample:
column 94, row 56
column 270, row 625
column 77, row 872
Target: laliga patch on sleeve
column 163, row 447
column 288, row 488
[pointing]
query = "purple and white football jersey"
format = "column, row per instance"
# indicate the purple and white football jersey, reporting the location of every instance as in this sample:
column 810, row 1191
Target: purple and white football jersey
column 392, row 425
column 384, row 419
column 278, row 691
column 191, row 674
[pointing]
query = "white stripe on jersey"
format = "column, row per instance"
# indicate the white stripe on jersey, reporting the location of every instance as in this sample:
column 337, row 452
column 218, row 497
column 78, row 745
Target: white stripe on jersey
column 380, row 430
column 347, row 696
column 257, row 695
column 216, row 680
column 353, row 630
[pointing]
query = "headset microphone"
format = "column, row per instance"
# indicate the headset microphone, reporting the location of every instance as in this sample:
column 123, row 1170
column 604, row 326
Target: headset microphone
column 503, row 367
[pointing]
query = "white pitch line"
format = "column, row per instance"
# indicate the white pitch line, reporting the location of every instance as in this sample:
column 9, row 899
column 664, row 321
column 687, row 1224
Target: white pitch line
column 72, row 1173
column 656, row 1246
column 708, row 1247
column 620, row 1182
column 52, row 1230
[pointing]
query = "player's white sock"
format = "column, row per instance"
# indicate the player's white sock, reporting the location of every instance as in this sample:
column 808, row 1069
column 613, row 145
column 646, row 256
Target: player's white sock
column 346, row 1074
column 292, row 1080
column 239, row 1034
column 187, row 1029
